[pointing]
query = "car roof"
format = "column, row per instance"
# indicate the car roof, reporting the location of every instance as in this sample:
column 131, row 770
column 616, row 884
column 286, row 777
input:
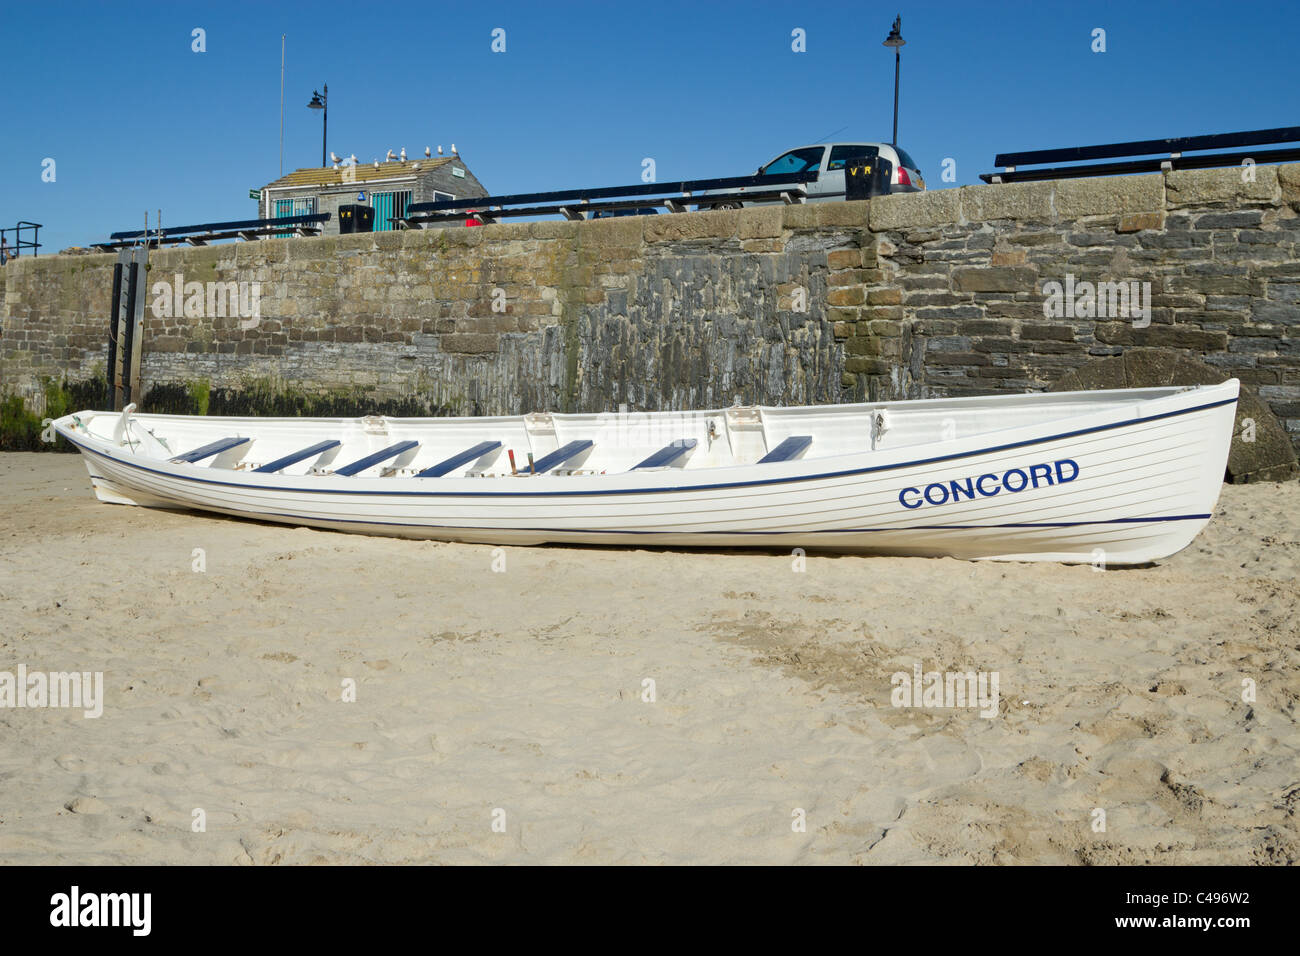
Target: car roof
column 811, row 145
column 877, row 146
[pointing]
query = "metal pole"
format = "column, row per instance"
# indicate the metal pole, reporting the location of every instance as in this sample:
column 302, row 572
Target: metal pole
column 281, row 104
column 894, row 141
column 325, row 126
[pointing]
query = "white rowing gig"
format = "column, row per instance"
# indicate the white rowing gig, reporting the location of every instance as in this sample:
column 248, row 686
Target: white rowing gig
column 1125, row 477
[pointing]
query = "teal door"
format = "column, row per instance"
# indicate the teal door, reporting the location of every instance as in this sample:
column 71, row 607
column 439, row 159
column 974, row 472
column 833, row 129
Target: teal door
column 293, row 207
column 389, row 206
column 383, row 203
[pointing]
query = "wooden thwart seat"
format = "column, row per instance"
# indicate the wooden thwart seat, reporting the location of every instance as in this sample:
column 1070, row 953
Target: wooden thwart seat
column 361, row 464
column 558, row 457
column 213, row 448
column 458, row 460
column 792, row 447
column 297, row 456
column 668, row 454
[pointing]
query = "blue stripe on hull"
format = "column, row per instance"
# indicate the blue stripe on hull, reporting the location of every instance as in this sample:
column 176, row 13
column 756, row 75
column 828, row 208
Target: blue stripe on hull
column 308, row 519
column 916, row 527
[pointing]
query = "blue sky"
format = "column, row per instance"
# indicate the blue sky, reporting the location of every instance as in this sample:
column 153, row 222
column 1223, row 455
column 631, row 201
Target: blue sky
column 136, row 120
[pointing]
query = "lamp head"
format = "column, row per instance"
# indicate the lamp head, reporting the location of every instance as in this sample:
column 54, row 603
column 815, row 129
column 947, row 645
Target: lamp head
column 895, row 38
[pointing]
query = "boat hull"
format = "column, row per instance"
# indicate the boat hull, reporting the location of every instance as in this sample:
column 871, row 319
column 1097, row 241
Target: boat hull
column 1128, row 484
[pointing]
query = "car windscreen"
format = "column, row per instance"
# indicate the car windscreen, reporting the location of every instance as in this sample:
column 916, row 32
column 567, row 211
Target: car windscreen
column 796, row 161
column 906, row 160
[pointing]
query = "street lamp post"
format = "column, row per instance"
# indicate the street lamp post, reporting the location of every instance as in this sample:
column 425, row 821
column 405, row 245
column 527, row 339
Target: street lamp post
column 321, row 101
column 895, row 39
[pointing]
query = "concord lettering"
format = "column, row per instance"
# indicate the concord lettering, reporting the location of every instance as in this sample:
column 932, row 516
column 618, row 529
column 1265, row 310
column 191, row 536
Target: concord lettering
column 988, row 485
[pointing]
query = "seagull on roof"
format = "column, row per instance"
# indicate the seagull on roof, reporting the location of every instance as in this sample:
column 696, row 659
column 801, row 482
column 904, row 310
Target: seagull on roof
column 334, row 157
column 390, row 157
column 453, row 150
column 428, row 152
column 439, row 150
column 402, row 154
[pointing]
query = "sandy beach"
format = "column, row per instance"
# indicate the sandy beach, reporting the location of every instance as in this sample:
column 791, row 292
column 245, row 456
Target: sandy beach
column 512, row 687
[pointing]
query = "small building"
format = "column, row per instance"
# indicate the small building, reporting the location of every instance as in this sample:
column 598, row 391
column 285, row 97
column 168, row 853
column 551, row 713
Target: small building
column 388, row 188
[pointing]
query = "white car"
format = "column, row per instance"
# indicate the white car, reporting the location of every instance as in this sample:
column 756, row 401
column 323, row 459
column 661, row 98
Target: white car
column 829, row 160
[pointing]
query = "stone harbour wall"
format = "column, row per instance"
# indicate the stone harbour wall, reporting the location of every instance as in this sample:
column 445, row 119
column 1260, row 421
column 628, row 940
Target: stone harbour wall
column 919, row 295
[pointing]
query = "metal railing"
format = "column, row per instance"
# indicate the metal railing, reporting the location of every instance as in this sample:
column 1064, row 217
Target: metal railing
column 1171, row 155
column 582, row 203
column 680, row 196
column 201, row 234
column 14, row 248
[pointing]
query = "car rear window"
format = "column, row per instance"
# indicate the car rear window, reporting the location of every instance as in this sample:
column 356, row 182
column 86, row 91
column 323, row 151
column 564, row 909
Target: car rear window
column 840, row 155
column 905, row 159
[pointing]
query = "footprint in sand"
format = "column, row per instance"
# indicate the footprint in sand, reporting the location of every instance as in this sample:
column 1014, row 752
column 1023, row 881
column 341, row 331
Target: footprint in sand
column 87, row 806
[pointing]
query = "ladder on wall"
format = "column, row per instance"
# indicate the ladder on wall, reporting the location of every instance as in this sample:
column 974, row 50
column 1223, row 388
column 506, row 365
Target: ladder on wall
column 126, row 325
